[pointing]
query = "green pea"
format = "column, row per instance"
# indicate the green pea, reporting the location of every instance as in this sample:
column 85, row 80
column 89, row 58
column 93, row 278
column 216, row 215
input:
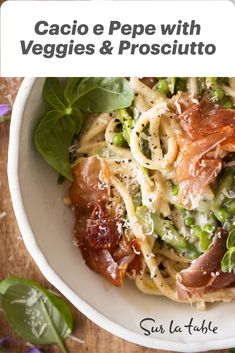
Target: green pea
column 204, row 240
column 195, row 230
column 222, row 215
column 189, row 221
column 218, row 93
column 118, row 139
column 208, row 228
column 162, row 86
column 175, row 190
column 227, row 102
column 232, row 207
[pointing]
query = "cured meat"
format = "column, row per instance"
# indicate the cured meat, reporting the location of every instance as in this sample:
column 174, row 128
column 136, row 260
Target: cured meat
column 205, row 118
column 99, row 232
column 207, row 132
column 204, row 274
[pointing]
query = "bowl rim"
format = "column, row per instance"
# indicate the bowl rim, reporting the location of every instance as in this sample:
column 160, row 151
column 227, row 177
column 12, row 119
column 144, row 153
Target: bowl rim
column 51, row 275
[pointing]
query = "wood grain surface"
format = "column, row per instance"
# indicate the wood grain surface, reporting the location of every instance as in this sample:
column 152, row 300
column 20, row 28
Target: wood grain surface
column 15, row 260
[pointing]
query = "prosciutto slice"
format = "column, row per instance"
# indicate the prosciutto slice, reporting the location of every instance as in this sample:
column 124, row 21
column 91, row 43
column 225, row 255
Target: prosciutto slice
column 98, row 232
column 204, row 274
column 207, row 133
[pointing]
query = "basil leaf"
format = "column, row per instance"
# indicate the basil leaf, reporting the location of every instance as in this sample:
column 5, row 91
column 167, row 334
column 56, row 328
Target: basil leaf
column 77, row 118
column 228, row 261
column 11, row 281
column 35, row 314
column 231, row 239
column 53, row 137
column 104, row 94
column 6, row 283
column 54, row 95
column 70, row 90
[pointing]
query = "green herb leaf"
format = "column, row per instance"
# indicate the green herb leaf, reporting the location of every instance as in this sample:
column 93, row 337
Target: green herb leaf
column 53, row 137
column 228, row 261
column 36, row 314
column 70, row 90
column 104, row 94
column 77, row 118
column 231, row 239
column 54, row 95
column 6, row 283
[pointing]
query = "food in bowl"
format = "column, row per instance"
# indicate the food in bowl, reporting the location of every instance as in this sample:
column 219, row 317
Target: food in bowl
column 151, row 163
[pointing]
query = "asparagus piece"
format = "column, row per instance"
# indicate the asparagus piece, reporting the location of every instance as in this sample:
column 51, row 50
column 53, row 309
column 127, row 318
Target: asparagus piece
column 165, row 229
column 226, row 184
column 126, row 121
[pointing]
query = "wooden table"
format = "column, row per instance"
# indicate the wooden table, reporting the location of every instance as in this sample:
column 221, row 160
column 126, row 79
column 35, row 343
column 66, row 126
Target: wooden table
column 15, row 260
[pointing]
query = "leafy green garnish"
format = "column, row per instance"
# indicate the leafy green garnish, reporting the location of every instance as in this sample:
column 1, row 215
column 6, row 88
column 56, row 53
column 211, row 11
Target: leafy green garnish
column 34, row 313
column 70, row 90
column 53, row 137
column 228, row 261
column 55, row 131
column 104, row 94
column 54, row 95
column 231, row 239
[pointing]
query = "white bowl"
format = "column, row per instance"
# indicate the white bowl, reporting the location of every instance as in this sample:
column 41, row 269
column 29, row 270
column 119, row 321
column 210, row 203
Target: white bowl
column 47, row 229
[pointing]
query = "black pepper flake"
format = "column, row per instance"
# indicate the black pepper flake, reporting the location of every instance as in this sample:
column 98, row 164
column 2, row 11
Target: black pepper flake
column 137, row 133
column 136, row 94
column 129, row 160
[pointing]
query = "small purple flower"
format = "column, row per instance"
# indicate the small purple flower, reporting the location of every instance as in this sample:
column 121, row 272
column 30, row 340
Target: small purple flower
column 4, row 109
column 34, row 350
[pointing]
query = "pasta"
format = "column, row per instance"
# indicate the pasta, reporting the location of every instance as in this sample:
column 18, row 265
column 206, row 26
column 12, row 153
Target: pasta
column 153, row 189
